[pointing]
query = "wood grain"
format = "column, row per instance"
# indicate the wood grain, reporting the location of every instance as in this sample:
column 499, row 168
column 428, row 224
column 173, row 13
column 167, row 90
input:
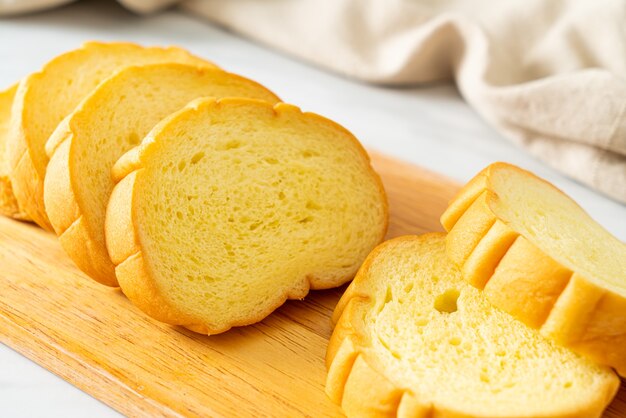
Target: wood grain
column 93, row 337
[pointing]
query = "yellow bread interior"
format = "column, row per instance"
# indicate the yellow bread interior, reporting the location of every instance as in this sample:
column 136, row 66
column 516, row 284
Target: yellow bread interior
column 110, row 121
column 550, row 220
column 8, row 204
column 236, row 205
column 46, row 97
column 540, row 257
column 413, row 337
column 556, row 225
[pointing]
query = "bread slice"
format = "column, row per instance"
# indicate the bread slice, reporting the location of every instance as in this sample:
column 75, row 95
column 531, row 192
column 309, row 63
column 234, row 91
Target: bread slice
column 109, row 122
column 8, row 204
column 229, row 207
column 44, row 98
column 413, row 339
column 540, row 257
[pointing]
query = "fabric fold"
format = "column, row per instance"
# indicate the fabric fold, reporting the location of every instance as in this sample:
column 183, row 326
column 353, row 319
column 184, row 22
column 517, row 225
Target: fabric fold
column 549, row 75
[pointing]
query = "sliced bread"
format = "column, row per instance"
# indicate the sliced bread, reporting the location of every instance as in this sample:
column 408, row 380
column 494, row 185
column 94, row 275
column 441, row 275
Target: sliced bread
column 45, row 98
column 540, row 257
column 109, row 122
column 8, row 204
column 229, row 207
column 413, row 339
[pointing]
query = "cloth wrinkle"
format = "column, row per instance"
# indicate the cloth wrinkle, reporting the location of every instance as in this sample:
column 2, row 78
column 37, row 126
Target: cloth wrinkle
column 549, row 75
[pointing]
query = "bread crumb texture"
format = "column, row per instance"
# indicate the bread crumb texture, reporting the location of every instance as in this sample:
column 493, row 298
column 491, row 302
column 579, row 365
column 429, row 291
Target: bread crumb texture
column 414, row 339
column 114, row 118
column 45, row 98
column 540, row 257
column 238, row 205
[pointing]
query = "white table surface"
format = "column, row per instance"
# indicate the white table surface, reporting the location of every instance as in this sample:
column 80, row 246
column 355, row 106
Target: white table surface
column 429, row 126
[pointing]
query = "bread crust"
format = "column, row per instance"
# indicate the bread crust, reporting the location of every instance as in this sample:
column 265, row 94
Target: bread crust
column 133, row 267
column 69, row 224
column 363, row 390
column 125, row 251
column 27, row 174
column 135, row 274
column 67, row 211
column 8, row 204
column 26, row 182
column 519, row 278
column 352, row 381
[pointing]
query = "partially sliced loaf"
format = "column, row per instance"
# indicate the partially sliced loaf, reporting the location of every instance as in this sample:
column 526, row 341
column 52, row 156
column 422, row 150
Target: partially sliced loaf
column 413, row 339
column 540, row 257
column 8, row 204
column 45, row 98
column 230, row 207
column 109, row 122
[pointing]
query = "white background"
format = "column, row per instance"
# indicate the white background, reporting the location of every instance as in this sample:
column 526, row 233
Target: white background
column 430, row 126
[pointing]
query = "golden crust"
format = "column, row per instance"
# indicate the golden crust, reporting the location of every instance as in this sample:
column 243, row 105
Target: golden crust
column 125, row 252
column 28, row 162
column 87, row 254
column 124, row 244
column 134, row 273
column 67, row 211
column 354, row 382
column 521, row 279
column 28, row 185
column 59, row 197
column 26, row 180
column 69, row 224
column 8, row 204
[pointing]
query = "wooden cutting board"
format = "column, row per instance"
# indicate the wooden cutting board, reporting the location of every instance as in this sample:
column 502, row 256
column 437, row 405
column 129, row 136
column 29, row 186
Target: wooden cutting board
column 94, row 338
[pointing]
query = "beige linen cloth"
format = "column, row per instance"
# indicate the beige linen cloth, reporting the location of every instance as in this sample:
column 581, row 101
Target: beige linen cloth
column 549, row 74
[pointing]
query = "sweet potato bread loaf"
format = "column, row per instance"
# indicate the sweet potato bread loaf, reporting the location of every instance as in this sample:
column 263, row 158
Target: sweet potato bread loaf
column 44, row 98
column 110, row 121
column 540, row 257
column 8, row 204
column 229, row 207
column 413, row 339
